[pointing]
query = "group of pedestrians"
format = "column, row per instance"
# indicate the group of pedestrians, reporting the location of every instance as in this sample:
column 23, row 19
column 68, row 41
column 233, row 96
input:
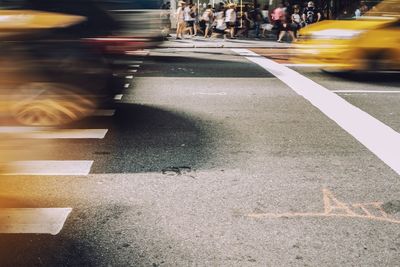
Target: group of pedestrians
column 232, row 21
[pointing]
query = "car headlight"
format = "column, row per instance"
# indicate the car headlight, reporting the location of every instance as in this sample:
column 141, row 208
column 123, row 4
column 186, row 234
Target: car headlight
column 336, row 34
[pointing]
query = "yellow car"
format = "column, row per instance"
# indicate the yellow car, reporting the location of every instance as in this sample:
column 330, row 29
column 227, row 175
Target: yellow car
column 46, row 80
column 370, row 43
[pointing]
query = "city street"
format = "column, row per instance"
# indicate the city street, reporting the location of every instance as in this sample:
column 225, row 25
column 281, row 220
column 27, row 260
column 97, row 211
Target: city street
column 215, row 155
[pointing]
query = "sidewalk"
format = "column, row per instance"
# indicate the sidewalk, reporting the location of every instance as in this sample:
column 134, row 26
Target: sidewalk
column 201, row 42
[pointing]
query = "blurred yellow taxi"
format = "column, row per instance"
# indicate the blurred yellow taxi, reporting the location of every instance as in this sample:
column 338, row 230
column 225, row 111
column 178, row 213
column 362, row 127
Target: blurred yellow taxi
column 369, row 43
column 46, row 80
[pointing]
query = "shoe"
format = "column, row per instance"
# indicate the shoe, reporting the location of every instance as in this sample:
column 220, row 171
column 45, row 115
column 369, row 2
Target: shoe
column 279, row 41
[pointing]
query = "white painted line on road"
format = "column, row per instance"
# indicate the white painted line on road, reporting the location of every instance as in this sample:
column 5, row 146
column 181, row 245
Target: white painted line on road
column 134, row 66
column 127, row 85
column 129, row 77
column 132, row 70
column 50, row 167
column 365, row 91
column 118, row 97
column 70, row 134
column 379, row 138
column 219, row 93
column 138, row 53
column 44, row 133
column 104, row 113
column 18, row 129
column 33, row 220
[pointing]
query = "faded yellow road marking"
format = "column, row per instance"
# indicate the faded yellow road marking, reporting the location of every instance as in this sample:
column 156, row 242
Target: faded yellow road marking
column 335, row 208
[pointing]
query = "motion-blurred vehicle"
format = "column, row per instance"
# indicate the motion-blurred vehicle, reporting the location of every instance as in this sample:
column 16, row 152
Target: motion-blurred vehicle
column 57, row 67
column 369, row 43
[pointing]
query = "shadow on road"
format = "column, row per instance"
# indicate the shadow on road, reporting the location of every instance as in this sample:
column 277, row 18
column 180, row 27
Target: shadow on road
column 148, row 139
column 385, row 78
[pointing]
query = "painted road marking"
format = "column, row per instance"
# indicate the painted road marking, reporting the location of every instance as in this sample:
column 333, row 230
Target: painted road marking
column 138, row 53
column 134, row 66
column 127, row 85
column 379, row 138
column 365, row 91
column 104, row 113
column 219, row 93
column 118, row 97
column 33, row 221
column 44, row 133
column 133, row 70
column 334, row 208
column 129, row 77
column 48, row 167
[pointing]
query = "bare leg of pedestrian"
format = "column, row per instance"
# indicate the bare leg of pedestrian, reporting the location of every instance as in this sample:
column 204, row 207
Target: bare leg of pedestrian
column 281, row 35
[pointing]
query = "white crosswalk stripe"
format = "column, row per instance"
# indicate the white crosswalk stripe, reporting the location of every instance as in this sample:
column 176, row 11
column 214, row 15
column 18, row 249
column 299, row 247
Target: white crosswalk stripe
column 48, row 167
column 33, row 220
column 44, row 133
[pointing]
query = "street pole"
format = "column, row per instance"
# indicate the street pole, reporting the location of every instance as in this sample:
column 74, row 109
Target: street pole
column 241, row 12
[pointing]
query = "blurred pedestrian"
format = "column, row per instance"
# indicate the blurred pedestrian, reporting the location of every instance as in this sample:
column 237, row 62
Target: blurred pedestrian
column 363, row 8
column 180, row 18
column 219, row 25
column 166, row 19
column 277, row 16
column 196, row 26
column 230, row 20
column 257, row 18
column 266, row 25
column 190, row 17
column 207, row 18
column 311, row 14
column 297, row 21
column 246, row 22
column 286, row 25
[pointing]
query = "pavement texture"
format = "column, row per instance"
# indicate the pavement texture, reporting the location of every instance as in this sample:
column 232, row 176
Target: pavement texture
column 210, row 160
column 201, row 42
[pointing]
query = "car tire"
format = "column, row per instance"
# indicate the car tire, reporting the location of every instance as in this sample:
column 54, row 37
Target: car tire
column 50, row 104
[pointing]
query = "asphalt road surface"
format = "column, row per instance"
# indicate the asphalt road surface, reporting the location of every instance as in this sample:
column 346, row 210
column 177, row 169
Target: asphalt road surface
column 214, row 157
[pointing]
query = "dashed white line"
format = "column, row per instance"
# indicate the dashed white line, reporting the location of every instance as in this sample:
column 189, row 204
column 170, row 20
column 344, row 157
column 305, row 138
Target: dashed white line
column 379, row 138
column 48, row 167
column 33, row 220
column 118, row 97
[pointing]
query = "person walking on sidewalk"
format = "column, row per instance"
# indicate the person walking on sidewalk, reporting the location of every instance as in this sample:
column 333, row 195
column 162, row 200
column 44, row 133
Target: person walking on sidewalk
column 230, row 20
column 189, row 18
column 297, row 22
column 207, row 18
column 246, row 22
column 257, row 18
column 219, row 25
column 180, row 17
column 286, row 26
